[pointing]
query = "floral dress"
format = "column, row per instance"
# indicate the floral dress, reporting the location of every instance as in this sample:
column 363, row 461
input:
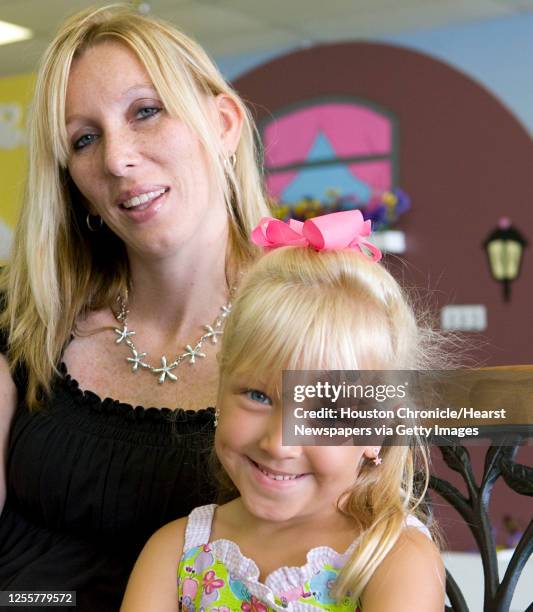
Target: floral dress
column 217, row 577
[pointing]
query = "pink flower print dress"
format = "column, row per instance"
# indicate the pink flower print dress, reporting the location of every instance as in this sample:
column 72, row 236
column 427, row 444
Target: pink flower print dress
column 217, row 577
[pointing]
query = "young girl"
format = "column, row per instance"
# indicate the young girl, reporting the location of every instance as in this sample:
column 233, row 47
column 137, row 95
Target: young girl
column 310, row 527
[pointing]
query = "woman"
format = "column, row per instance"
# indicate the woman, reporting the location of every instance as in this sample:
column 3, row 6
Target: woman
column 142, row 189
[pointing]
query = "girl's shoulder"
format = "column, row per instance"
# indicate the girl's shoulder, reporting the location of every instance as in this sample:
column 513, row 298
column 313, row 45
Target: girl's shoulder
column 169, row 542
column 176, row 537
column 411, row 573
column 152, row 584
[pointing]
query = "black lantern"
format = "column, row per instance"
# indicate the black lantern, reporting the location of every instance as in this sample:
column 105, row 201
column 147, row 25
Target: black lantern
column 505, row 246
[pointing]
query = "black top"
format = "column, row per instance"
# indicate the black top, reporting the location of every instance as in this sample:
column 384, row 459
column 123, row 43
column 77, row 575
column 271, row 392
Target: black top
column 88, row 481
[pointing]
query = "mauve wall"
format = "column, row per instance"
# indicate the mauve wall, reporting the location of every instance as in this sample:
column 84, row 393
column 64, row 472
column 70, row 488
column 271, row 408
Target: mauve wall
column 465, row 161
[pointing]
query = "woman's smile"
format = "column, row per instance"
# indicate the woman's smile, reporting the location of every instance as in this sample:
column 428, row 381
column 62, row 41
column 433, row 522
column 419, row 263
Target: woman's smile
column 144, row 206
column 140, row 198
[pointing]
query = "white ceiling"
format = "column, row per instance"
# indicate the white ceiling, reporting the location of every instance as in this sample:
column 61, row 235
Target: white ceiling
column 230, row 27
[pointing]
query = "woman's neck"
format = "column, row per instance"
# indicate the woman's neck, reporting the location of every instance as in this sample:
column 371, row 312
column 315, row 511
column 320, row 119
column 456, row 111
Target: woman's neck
column 179, row 292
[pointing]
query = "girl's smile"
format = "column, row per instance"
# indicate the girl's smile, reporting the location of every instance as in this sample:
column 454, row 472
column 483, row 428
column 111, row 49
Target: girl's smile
column 273, row 476
column 277, row 482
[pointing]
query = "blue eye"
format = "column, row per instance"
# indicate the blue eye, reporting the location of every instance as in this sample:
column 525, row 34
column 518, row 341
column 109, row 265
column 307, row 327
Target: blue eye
column 258, row 396
column 147, row 111
column 85, row 140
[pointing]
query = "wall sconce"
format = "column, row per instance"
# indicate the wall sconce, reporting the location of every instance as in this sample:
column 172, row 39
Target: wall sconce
column 504, row 247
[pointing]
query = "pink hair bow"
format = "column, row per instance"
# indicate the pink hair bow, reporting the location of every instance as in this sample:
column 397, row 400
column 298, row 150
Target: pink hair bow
column 333, row 232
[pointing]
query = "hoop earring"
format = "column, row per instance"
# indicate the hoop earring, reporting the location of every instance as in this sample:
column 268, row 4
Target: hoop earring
column 217, row 414
column 88, row 221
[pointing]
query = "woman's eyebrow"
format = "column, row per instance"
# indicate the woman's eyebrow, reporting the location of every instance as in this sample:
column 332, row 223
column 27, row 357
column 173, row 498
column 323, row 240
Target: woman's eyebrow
column 138, row 87
column 130, row 92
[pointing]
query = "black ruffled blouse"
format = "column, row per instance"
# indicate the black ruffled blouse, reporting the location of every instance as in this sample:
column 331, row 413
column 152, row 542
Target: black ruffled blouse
column 88, row 481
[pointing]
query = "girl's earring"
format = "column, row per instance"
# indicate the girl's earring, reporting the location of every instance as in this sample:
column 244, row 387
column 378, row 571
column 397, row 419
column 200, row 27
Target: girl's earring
column 217, row 414
column 377, row 459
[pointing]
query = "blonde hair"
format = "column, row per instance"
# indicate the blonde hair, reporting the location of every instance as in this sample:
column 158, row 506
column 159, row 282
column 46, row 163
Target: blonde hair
column 56, row 273
column 298, row 309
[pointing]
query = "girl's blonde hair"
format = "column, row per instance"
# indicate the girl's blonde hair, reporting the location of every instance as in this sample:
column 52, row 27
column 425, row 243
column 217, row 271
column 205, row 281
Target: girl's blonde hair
column 57, row 270
column 298, row 309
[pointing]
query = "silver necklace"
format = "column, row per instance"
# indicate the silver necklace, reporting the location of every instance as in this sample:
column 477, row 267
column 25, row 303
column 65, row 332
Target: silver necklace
column 192, row 352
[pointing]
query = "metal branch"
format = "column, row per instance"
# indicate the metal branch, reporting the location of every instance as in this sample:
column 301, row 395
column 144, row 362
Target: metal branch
column 454, row 595
column 504, row 594
column 453, row 496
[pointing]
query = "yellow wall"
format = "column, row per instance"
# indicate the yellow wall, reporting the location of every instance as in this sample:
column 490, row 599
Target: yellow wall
column 15, row 95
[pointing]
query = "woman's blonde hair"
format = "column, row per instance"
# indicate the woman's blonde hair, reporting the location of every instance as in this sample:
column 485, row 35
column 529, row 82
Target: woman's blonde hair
column 298, row 309
column 57, row 271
